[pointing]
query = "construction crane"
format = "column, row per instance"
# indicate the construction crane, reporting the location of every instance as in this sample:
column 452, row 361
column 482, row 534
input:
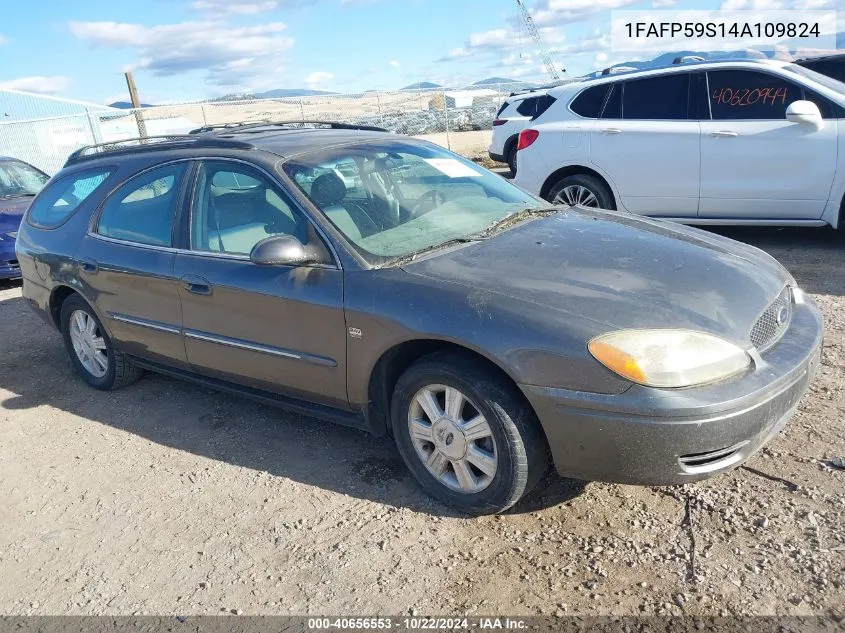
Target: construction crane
column 545, row 54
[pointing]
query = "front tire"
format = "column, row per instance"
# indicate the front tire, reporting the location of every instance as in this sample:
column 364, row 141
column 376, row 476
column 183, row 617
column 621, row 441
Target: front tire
column 582, row 190
column 467, row 435
column 91, row 351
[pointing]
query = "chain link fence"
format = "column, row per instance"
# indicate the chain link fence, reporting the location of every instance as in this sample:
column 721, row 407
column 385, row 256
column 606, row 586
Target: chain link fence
column 459, row 119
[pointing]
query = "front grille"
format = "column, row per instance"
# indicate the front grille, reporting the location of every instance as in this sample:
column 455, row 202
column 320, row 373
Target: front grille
column 773, row 323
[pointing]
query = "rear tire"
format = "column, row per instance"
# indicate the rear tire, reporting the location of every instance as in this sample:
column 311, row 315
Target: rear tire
column 591, row 191
column 512, row 159
column 497, row 451
column 91, row 351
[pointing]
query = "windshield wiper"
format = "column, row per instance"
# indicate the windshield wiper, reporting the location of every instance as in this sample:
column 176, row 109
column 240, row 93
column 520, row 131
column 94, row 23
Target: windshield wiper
column 515, row 217
column 11, row 196
column 406, row 259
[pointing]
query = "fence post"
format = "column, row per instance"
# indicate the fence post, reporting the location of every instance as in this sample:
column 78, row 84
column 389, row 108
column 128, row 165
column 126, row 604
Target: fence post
column 380, row 113
column 204, row 118
column 446, row 112
column 302, row 109
column 94, row 127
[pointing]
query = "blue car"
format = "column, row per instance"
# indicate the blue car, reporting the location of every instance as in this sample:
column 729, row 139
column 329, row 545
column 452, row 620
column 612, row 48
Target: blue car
column 19, row 182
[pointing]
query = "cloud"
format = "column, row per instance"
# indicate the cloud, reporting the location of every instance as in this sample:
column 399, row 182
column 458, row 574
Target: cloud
column 773, row 5
column 231, row 56
column 393, row 63
column 556, row 12
column 318, row 77
column 3, row 39
column 37, row 84
column 663, row 4
column 230, row 6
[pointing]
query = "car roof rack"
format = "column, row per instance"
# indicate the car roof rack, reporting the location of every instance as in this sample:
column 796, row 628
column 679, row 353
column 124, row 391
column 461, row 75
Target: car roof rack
column 686, row 59
column 151, row 143
column 252, row 126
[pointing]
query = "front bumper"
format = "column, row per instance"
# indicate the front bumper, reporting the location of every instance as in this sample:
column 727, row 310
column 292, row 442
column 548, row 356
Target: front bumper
column 673, row 436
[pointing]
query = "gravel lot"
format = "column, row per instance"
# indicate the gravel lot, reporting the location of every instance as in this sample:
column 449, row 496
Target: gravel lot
column 168, row 498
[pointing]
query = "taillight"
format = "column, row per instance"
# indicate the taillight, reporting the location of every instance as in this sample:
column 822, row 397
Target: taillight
column 527, row 138
column 499, row 122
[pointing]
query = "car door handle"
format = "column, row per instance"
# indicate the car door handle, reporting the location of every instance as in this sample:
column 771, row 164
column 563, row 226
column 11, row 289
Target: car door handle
column 89, row 266
column 196, row 284
column 611, row 130
column 724, row 134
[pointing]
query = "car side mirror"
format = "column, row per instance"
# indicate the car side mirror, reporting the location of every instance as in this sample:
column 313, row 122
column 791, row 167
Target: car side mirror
column 283, row 250
column 805, row 113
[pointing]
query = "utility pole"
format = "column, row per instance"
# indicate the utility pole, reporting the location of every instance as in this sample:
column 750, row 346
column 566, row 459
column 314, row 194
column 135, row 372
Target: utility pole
column 136, row 105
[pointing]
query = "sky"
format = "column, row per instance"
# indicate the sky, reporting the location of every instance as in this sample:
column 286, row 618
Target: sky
column 196, row 49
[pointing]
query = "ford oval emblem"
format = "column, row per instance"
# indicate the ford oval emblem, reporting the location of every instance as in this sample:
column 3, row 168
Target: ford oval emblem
column 781, row 315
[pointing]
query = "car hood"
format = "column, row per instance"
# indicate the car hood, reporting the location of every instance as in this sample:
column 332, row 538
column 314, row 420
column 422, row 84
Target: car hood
column 617, row 271
column 11, row 212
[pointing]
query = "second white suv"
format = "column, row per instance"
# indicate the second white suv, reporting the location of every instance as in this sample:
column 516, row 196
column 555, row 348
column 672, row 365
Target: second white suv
column 731, row 142
column 516, row 114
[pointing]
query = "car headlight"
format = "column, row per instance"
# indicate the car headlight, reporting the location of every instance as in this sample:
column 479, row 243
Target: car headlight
column 668, row 358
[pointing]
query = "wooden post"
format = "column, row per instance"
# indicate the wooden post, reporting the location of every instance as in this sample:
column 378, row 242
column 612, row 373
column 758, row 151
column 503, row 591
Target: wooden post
column 136, row 105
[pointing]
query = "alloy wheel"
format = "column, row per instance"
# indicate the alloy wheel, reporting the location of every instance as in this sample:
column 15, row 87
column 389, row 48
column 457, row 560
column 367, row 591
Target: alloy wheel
column 88, row 343
column 577, row 196
column 452, row 438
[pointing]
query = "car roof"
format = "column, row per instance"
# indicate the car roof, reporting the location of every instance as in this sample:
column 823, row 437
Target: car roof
column 823, row 57
column 669, row 69
column 284, row 139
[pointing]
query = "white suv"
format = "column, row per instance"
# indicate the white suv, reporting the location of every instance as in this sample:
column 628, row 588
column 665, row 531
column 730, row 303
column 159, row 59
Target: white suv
column 515, row 115
column 731, row 142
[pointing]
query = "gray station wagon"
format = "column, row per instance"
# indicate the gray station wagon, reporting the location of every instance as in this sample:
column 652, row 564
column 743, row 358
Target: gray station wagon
column 387, row 284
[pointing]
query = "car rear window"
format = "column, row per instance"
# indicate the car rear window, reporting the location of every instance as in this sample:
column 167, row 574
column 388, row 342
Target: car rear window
column 588, row 104
column 543, row 104
column 528, row 107
column 61, row 198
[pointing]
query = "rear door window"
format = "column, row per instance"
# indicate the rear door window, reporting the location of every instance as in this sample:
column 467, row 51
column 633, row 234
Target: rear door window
column 750, row 95
column 58, row 201
column 613, row 106
column 143, row 209
column 588, row 104
column 662, row 98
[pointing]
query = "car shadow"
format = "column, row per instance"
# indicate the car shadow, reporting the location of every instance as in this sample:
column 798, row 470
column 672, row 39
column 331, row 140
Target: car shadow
column 186, row 417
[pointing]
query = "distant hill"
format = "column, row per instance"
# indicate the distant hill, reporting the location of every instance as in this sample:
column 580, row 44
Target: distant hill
column 279, row 93
column 125, row 105
column 500, row 81
column 666, row 59
column 423, row 85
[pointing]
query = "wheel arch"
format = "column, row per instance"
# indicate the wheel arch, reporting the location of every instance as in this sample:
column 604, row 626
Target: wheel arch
column 57, row 297
column 513, row 139
column 573, row 170
column 394, row 361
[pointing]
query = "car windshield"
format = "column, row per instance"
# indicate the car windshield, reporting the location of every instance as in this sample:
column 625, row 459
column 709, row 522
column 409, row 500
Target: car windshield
column 392, row 199
column 19, row 180
column 828, row 82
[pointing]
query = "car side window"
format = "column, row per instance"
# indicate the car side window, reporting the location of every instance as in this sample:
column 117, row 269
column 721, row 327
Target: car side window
column 662, row 98
column 528, row 107
column 613, row 105
column 588, row 104
column 828, row 109
column 235, row 207
column 750, row 95
column 143, row 209
column 57, row 202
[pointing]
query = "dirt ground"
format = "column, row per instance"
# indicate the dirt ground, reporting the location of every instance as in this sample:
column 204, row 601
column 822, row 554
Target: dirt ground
column 169, row 498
